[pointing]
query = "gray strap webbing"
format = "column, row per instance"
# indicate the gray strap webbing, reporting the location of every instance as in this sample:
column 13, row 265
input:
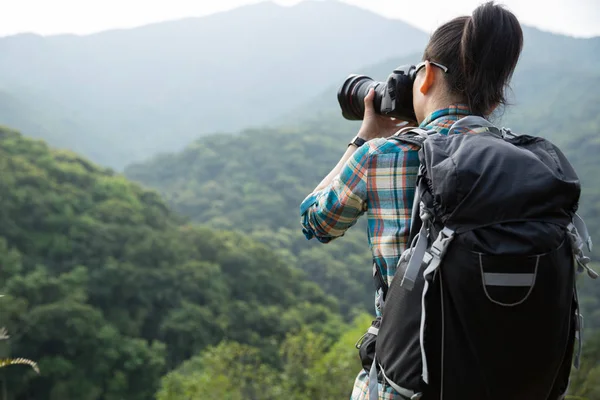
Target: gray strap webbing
column 439, row 247
column 419, row 131
column 406, row 129
column 579, row 337
column 418, row 140
column 579, row 237
column 373, row 331
column 416, row 259
column 418, row 253
column 436, row 253
column 511, row 280
column 431, row 268
column 583, row 232
column 414, row 214
column 403, row 391
column 578, row 330
column 373, row 384
column 473, row 121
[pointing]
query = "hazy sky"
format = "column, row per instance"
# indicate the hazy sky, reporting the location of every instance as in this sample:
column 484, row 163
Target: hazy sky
column 574, row 17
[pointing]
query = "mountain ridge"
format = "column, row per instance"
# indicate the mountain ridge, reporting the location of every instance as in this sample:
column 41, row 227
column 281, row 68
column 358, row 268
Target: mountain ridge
column 266, row 5
column 166, row 84
column 122, row 96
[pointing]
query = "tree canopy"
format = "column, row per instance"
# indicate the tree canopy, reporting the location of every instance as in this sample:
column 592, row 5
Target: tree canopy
column 107, row 290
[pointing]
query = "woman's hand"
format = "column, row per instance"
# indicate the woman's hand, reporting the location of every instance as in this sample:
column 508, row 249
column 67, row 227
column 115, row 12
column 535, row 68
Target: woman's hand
column 378, row 126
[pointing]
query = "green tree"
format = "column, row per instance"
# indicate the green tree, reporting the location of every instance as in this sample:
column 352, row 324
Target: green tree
column 229, row 371
column 108, row 290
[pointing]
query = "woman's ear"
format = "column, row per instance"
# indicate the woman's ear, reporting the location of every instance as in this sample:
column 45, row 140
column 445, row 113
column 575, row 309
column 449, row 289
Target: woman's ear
column 429, row 78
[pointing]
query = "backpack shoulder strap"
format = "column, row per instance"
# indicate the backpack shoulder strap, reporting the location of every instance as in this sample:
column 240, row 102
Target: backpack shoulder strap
column 474, row 121
column 413, row 135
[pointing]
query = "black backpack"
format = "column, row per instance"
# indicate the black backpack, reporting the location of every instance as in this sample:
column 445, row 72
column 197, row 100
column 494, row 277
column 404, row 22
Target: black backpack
column 483, row 305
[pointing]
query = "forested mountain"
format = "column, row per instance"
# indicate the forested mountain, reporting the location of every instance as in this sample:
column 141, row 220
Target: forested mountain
column 124, row 95
column 118, row 297
column 107, row 290
column 254, row 182
column 256, row 179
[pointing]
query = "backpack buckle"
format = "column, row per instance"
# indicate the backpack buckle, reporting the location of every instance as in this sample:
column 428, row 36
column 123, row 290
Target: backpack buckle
column 439, row 247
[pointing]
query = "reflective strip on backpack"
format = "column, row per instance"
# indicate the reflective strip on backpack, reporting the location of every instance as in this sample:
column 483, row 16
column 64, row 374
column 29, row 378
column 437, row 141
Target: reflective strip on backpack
column 510, row 280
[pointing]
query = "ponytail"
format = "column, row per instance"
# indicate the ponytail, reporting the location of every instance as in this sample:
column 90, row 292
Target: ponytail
column 481, row 53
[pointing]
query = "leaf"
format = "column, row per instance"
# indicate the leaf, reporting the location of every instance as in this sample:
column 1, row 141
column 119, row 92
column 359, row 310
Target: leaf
column 3, row 334
column 23, row 361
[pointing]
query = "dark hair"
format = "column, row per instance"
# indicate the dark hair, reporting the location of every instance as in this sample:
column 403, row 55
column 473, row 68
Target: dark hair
column 481, row 53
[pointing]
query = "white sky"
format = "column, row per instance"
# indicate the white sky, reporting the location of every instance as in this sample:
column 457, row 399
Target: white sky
column 46, row 17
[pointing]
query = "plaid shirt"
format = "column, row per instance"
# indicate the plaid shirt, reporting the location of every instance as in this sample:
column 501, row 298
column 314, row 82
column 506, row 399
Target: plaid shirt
column 379, row 179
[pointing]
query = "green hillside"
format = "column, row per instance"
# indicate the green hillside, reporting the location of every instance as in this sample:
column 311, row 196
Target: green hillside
column 107, row 290
column 115, row 298
column 195, row 282
column 255, row 180
column 133, row 93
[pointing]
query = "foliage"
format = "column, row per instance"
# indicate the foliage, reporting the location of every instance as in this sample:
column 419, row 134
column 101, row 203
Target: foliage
column 227, row 371
column 586, row 381
column 259, row 192
column 267, row 172
column 5, row 362
column 19, row 361
column 313, row 367
column 260, row 184
column 108, row 290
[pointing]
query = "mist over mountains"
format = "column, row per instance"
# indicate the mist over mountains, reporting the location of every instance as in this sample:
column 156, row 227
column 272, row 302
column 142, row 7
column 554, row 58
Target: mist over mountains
column 122, row 96
column 136, row 92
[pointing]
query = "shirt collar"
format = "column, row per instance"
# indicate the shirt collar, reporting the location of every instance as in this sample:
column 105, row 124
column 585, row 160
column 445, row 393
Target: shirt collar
column 441, row 120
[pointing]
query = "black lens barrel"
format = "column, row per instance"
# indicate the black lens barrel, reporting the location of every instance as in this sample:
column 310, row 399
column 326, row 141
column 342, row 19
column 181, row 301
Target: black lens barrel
column 351, row 96
column 393, row 98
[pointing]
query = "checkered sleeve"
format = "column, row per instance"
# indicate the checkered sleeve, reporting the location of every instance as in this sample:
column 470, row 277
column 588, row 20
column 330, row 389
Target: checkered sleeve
column 327, row 214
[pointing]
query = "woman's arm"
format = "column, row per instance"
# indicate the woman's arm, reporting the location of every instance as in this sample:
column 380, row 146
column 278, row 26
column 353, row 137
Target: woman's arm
column 328, row 213
column 373, row 126
column 341, row 197
column 337, row 169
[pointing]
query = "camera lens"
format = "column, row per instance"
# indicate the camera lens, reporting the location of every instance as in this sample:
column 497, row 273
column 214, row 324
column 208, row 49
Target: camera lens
column 393, row 98
column 351, row 96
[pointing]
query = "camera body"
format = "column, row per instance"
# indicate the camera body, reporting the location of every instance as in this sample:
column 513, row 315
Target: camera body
column 392, row 98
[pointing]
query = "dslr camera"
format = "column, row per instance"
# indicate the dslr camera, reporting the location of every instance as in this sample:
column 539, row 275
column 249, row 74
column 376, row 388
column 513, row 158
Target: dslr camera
column 393, row 98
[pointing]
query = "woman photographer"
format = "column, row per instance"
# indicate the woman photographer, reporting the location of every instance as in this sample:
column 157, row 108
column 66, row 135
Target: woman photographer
column 466, row 68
